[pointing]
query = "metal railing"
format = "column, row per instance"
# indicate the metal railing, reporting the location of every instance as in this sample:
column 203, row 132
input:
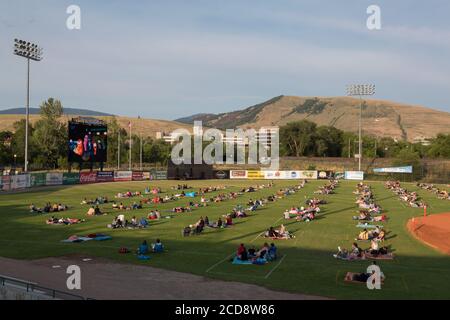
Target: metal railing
column 34, row 288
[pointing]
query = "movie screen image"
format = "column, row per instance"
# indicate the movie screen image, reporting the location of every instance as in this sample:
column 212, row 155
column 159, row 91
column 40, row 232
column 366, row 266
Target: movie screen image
column 87, row 142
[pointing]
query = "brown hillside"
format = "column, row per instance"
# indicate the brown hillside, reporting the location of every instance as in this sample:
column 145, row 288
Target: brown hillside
column 380, row 118
column 146, row 127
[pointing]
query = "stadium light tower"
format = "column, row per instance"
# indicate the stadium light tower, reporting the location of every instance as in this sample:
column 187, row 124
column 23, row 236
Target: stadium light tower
column 29, row 51
column 360, row 90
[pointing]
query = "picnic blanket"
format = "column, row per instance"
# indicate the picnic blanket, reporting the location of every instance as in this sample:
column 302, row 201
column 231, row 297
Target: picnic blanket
column 367, row 226
column 258, row 261
column 96, row 237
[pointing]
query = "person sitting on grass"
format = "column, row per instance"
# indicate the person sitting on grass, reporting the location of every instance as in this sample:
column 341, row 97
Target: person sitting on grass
column 229, row 221
column 143, row 248
column 134, row 223
column 116, row 223
column 272, row 254
column 143, row 223
column 287, row 215
column 186, row 232
column 355, row 253
column 272, row 233
column 199, row 226
column 218, row 224
column 364, row 235
column 91, row 211
column 158, row 246
column 97, row 211
column 263, row 251
column 375, row 249
column 242, row 253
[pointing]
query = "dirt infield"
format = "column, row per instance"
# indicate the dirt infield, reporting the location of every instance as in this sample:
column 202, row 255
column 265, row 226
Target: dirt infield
column 434, row 230
column 103, row 279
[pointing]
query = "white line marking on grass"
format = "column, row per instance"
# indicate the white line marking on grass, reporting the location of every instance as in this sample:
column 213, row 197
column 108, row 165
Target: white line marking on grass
column 239, row 275
column 274, row 268
column 256, row 237
column 218, row 263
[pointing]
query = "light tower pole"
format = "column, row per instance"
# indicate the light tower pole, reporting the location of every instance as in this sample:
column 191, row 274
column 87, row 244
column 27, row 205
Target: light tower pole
column 360, row 90
column 29, row 51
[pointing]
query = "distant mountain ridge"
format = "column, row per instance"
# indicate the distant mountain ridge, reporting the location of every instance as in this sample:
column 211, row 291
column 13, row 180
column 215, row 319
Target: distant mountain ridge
column 380, row 117
column 69, row 111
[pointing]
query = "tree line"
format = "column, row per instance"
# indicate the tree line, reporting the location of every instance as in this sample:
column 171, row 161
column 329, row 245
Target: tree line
column 307, row 139
column 48, row 141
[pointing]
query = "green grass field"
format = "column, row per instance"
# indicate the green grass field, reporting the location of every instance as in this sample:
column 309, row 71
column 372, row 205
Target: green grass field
column 305, row 265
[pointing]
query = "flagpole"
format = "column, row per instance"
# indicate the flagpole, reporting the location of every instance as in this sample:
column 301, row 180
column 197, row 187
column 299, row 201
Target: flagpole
column 118, row 151
column 140, row 154
column 131, row 145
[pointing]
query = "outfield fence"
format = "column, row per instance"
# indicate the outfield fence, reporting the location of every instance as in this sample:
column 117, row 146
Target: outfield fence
column 31, row 180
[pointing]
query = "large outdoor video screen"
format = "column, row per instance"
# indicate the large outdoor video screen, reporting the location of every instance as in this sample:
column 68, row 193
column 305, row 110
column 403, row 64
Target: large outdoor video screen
column 87, row 142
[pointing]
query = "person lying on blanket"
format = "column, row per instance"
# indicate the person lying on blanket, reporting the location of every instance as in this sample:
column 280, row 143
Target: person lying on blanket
column 283, row 233
column 364, row 276
column 68, row 221
column 354, row 253
column 272, row 233
column 33, row 208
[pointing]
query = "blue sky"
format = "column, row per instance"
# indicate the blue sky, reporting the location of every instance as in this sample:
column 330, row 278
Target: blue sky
column 168, row 59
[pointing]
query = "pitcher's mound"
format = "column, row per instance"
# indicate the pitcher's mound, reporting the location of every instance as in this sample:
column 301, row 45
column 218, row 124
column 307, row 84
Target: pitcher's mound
column 433, row 230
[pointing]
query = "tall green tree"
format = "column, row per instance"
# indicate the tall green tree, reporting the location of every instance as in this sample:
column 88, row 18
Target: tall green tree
column 50, row 134
column 440, row 146
column 328, row 141
column 297, row 137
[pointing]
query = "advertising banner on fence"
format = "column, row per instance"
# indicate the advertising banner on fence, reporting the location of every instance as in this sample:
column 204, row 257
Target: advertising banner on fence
column 20, row 181
column 71, row 178
column 6, row 183
column 222, row 174
column 54, row 179
column 255, row 175
column 407, row 169
column 146, row 175
column 105, row 176
column 322, row 174
column 238, row 174
column 88, row 177
column 354, row 175
column 137, row 176
column 123, row 175
column 307, row 174
column 160, row 175
column 38, row 179
column 290, row 175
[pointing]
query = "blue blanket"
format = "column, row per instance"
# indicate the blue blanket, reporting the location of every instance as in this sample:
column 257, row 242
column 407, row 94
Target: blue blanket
column 247, row 262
